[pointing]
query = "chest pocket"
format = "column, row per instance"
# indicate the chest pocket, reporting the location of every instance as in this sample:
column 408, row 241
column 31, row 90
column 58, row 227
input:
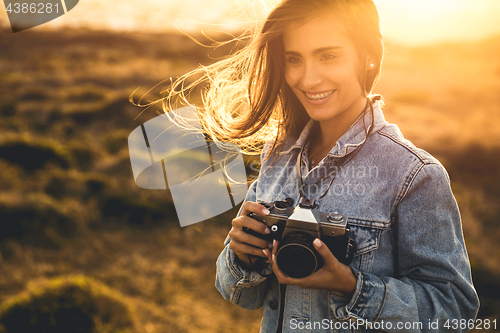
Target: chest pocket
column 367, row 242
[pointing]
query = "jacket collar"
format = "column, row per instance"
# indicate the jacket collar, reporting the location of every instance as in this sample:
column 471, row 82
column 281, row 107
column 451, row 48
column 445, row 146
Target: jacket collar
column 351, row 139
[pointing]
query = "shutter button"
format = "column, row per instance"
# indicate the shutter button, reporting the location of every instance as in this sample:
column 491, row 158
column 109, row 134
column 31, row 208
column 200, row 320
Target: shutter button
column 273, row 305
column 335, row 217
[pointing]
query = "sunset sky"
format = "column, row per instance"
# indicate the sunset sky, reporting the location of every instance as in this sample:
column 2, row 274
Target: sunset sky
column 405, row 21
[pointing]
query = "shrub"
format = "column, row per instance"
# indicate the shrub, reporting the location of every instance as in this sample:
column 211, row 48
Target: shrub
column 35, row 216
column 8, row 110
column 34, row 154
column 86, row 94
column 82, row 186
column 69, row 304
column 84, row 154
column 34, row 96
column 116, row 141
column 117, row 112
column 136, row 212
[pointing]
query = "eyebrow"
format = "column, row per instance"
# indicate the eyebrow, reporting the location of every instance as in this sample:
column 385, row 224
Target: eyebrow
column 317, row 51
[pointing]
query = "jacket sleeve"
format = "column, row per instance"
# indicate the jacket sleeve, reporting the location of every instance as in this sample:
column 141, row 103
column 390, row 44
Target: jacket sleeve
column 433, row 283
column 237, row 285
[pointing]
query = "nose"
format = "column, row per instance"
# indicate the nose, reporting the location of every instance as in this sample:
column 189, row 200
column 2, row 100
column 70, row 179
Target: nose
column 311, row 76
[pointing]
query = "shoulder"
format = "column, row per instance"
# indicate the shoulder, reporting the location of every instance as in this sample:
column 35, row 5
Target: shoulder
column 413, row 166
column 272, row 153
column 391, row 136
column 391, row 143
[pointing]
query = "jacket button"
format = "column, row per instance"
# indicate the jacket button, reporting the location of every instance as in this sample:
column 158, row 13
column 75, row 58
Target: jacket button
column 273, row 305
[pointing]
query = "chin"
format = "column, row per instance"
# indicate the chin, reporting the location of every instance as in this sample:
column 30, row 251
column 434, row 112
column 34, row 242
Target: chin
column 321, row 114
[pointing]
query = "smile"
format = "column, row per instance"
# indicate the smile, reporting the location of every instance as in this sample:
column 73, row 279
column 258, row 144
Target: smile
column 317, row 97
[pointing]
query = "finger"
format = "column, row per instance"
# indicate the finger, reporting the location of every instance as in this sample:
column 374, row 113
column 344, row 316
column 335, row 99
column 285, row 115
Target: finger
column 251, row 223
column 285, row 279
column 282, row 277
column 253, row 207
column 242, row 248
column 243, row 237
column 276, row 243
column 304, row 283
column 325, row 252
column 246, row 237
column 279, row 274
column 267, row 253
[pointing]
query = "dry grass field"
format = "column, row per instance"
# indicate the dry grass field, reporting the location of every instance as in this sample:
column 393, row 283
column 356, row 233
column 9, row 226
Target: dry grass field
column 69, row 207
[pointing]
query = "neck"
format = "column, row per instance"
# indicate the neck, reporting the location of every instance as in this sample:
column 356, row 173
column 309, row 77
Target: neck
column 329, row 131
column 326, row 133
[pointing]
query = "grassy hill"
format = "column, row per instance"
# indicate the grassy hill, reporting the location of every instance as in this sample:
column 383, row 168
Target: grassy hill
column 69, row 204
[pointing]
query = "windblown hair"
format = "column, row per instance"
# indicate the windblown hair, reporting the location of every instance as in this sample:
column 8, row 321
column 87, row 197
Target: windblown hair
column 246, row 100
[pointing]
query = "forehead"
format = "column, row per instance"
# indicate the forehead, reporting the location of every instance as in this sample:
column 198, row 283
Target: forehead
column 318, row 32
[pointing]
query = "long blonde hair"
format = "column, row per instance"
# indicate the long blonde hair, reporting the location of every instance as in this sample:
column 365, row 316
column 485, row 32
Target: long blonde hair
column 245, row 99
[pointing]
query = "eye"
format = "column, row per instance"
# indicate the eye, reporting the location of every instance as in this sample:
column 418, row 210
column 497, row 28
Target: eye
column 293, row 60
column 329, row 56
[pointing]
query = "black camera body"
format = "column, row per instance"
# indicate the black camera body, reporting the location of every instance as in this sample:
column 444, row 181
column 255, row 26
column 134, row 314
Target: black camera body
column 296, row 229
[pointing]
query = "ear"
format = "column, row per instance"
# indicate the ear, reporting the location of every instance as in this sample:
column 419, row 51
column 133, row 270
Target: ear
column 370, row 63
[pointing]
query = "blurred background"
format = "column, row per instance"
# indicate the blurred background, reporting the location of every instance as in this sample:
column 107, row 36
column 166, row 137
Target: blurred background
column 84, row 249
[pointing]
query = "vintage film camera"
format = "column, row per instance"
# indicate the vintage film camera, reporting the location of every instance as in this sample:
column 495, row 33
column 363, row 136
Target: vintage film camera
column 296, row 229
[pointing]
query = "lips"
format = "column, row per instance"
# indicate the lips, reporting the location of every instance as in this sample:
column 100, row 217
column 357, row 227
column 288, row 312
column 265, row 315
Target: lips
column 318, row 96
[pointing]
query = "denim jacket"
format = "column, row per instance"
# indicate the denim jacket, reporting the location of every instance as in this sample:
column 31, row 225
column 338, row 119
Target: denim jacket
column 411, row 264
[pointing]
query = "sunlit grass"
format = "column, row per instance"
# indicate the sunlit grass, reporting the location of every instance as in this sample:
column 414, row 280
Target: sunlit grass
column 444, row 98
column 445, row 94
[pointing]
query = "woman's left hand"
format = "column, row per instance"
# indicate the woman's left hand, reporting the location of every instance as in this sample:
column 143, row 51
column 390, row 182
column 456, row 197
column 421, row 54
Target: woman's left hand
column 332, row 276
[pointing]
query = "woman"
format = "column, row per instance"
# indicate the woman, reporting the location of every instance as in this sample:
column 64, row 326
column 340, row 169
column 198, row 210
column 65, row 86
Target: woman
column 306, row 80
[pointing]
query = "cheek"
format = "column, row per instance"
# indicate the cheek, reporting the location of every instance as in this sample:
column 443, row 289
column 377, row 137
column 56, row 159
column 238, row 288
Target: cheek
column 339, row 73
column 344, row 76
column 291, row 77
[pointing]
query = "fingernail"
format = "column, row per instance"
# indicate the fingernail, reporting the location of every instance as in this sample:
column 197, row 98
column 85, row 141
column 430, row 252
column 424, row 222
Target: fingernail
column 266, row 211
column 274, row 242
column 267, row 231
column 264, row 251
column 317, row 242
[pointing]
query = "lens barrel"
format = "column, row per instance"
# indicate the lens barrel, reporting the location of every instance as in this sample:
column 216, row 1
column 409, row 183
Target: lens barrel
column 296, row 256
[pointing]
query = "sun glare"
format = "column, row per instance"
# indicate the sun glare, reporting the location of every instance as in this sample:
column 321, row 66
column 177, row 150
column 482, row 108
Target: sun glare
column 430, row 21
column 427, row 9
column 403, row 21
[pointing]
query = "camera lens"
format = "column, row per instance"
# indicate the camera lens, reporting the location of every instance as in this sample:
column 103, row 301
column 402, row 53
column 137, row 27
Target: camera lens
column 280, row 207
column 296, row 256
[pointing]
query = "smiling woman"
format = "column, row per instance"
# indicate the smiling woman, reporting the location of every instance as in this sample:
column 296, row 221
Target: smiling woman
column 321, row 72
column 313, row 242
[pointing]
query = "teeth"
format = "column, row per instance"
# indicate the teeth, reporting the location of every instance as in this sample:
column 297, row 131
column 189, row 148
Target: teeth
column 320, row 96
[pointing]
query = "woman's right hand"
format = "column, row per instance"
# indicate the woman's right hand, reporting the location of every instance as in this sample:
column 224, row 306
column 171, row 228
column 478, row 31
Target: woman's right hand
column 244, row 244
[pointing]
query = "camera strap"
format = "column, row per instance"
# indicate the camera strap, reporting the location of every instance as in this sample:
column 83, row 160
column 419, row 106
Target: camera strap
column 343, row 161
column 260, row 262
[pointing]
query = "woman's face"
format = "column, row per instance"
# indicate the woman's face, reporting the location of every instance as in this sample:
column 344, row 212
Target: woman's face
column 321, row 69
